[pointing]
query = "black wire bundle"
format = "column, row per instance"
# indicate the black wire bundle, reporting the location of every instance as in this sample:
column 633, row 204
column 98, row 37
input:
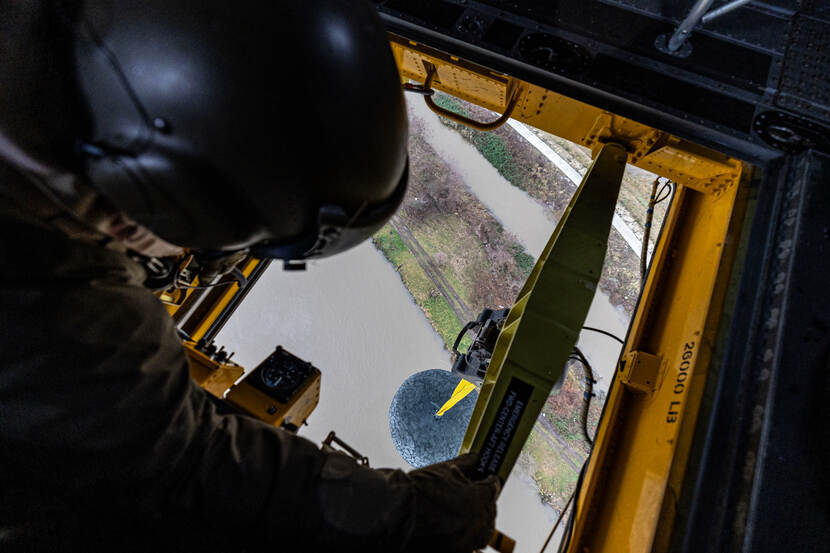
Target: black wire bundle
column 577, row 355
column 656, row 198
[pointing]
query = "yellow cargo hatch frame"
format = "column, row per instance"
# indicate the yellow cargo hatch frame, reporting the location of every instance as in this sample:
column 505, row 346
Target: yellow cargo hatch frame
column 629, row 490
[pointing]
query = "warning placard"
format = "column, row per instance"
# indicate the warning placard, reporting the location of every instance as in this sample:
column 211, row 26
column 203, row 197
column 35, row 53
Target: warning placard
column 500, row 435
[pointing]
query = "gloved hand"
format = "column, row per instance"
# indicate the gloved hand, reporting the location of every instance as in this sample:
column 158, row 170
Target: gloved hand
column 436, row 509
column 453, row 512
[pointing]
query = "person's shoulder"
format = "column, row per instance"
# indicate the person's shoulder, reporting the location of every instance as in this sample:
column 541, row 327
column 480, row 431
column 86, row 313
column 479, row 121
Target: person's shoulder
column 32, row 250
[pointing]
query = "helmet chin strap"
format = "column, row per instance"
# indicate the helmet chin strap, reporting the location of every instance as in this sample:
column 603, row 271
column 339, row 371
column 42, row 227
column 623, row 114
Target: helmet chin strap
column 136, row 237
column 335, row 228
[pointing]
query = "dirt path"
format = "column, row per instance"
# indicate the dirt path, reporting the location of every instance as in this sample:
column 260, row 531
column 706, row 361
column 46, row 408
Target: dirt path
column 572, row 457
column 455, row 302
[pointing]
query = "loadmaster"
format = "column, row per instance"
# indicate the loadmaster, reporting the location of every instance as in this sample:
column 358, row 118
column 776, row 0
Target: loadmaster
column 145, row 128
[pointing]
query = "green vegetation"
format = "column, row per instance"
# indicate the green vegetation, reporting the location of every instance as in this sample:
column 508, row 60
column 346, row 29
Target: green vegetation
column 389, row 242
column 554, row 475
column 495, row 150
column 443, row 318
column 524, row 260
column 563, row 409
column 423, row 291
column 492, row 146
column 564, row 426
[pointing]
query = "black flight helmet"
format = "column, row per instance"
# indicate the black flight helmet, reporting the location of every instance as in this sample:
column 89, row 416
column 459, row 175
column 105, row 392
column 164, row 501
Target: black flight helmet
column 274, row 126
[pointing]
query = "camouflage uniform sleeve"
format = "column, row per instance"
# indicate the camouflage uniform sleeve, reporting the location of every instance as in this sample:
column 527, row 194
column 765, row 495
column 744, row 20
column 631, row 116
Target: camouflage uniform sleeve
column 98, row 406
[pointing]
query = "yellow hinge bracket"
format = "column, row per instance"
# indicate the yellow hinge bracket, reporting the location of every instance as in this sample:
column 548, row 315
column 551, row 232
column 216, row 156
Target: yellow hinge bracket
column 637, row 139
column 641, row 371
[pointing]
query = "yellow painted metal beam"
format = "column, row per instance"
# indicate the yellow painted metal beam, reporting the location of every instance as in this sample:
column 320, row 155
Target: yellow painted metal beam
column 217, row 299
column 212, row 375
column 631, row 485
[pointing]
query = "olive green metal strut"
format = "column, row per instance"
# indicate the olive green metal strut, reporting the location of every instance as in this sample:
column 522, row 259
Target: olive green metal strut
column 543, row 325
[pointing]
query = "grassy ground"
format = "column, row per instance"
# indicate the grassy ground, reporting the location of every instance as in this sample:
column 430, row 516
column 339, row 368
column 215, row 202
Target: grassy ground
column 563, row 409
column 555, row 477
column 423, row 291
column 554, row 466
column 485, row 264
column 437, row 236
